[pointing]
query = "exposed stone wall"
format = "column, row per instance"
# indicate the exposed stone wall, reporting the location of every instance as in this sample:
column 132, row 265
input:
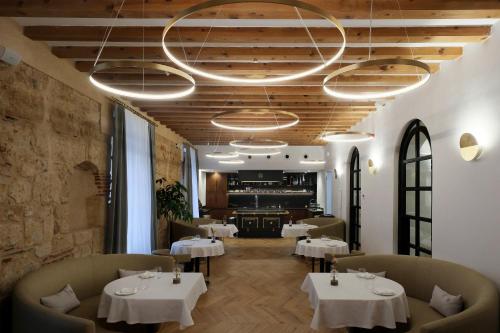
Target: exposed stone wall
column 51, row 142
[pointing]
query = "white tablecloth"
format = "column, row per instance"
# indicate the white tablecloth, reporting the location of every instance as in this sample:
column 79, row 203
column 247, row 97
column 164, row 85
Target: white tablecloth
column 157, row 301
column 296, row 230
column 198, row 248
column 318, row 247
column 352, row 303
column 220, row 230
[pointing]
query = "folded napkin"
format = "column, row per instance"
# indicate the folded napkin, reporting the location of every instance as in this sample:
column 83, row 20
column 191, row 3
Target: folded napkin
column 383, row 291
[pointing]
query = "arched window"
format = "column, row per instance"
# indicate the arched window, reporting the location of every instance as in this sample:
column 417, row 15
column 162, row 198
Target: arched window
column 415, row 192
column 354, row 206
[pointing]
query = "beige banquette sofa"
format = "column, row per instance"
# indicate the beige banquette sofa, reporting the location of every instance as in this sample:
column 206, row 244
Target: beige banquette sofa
column 328, row 226
column 418, row 276
column 182, row 229
column 87, row 276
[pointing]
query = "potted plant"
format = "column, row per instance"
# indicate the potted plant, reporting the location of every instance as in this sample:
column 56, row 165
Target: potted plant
column 171, row 203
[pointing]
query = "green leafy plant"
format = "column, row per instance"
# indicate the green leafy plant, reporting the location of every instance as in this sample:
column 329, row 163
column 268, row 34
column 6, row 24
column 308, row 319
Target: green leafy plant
column 171, row 202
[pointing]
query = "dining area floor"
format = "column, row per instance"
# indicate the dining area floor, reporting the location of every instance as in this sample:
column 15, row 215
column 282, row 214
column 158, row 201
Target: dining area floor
column 254, row 287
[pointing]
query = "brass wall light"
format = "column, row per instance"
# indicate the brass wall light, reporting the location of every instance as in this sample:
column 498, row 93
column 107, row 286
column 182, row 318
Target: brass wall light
column 372, row 168
column 469, row 147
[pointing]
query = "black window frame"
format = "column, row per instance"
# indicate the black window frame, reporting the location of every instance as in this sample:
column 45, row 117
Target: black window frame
column 354, row 201
column 414, row 129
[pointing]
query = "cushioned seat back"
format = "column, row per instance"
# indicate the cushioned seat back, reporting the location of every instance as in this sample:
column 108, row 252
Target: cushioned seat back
column 321, row 221
column 182, row 229
column 202, row 221
column 419, row 275
column 87, row 276
column 105, row 267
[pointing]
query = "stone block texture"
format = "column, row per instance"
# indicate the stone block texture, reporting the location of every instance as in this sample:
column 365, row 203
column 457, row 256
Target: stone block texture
column 54, row 172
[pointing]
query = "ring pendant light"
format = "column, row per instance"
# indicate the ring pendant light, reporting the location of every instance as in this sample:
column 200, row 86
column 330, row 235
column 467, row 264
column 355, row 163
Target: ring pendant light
column 259, row 153
column 292, row 3
column 141, row 65
column 221, row 155
column 232, row 162
column 349, row 136
column 313, row 162
column 377, row 95
column 424, row 77
column 217, row 121
column 258, row 144
column 144, row 65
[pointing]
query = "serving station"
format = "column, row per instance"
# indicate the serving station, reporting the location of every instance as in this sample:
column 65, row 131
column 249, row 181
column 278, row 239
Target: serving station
column 259, row 203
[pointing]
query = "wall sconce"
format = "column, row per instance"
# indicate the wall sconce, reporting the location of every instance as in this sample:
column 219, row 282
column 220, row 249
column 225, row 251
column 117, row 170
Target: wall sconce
column 469, row 148
column 372, row 168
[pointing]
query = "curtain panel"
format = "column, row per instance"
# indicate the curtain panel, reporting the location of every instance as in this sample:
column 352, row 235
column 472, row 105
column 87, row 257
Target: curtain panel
column 116, row 228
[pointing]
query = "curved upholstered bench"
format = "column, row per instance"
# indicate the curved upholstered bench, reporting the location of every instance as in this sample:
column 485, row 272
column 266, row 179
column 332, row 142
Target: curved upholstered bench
column 87, row 276
column 328, row 226
column 419, row 275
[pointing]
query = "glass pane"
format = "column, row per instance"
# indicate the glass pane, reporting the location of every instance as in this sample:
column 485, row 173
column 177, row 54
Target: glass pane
column 410, row 203
column 412, row 231
column 354, row 198
column 425, row 146
column 423, row 254
column 410, row 174
column 355, row 180
column 412, row 251
column 426, row 204
column 426, row 173
column 426, row 235
column 357, row 162
column 410, row 153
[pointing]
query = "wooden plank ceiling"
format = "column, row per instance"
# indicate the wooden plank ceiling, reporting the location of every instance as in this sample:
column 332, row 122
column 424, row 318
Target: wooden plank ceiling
column 257, row 41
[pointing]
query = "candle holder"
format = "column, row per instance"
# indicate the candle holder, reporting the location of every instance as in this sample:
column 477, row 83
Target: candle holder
column 333, row 273
column 308, row 239
column 177, row 277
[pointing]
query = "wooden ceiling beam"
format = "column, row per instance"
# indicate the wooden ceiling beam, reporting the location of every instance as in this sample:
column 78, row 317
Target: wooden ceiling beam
column 384, row 9
column 264, row 55
column 458, row 34
column 271, row 69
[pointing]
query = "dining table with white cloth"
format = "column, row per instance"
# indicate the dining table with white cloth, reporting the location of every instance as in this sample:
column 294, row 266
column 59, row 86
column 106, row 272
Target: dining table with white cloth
column 198, row 248
column 220, row 230
column 355, row 301
column 296, row 230
column 318, row 247
column 156, row 299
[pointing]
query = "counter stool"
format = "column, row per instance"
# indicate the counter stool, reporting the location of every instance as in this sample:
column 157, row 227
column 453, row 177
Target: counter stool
column 181, row 259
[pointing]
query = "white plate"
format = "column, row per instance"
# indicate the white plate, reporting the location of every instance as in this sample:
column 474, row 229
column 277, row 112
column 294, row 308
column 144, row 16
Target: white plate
column 126, row 291
column 383, row 292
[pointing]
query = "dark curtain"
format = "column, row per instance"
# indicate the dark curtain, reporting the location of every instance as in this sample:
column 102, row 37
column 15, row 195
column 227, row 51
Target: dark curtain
column 154, row 220
column 116, row 229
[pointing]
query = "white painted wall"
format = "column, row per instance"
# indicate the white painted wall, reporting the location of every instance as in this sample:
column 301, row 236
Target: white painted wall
column 463, row 97
column 277, row 162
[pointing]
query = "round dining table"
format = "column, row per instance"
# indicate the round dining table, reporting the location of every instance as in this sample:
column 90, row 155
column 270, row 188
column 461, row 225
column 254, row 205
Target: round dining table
column 152, row 300
column 220, row 230
column 317, row 248
column 355, row 301
column 296, row 230
column 198, row 248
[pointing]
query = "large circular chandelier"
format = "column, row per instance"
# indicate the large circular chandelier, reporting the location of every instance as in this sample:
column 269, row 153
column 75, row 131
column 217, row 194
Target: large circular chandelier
column 291, row 3
column 232, row 162
column 381, row 63
column 259, row 152
column 217, row 120
column 258, row 144
column 221, row 155
column 141, row 65
column 349, row 136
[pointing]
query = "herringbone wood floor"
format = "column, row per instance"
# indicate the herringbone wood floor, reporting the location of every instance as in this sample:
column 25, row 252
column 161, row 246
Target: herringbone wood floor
column 254, row 288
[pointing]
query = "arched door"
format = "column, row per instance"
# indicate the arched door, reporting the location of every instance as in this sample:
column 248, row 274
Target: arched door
column 354, row 202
